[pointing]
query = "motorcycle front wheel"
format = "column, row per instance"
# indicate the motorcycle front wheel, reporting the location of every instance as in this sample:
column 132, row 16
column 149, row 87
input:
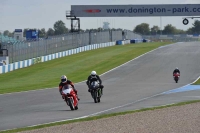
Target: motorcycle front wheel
column 95, row 96
column 71, row 105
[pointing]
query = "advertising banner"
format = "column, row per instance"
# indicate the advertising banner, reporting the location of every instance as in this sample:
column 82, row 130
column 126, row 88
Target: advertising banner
column 135, row 10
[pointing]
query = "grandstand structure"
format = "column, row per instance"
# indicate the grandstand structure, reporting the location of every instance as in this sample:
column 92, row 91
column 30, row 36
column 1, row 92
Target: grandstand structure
column 6, row 39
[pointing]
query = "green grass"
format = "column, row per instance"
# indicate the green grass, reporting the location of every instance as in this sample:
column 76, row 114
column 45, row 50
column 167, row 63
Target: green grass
column 197, row 82
column 77, row 67
column 98, row 117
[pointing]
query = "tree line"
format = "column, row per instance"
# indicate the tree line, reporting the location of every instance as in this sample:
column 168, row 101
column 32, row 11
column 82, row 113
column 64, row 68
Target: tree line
column 168, row 29
column 58, row 29
column 143, row 28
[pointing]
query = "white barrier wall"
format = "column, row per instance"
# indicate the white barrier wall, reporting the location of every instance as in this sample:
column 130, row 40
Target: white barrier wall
column 1, row 68
column 29, row 62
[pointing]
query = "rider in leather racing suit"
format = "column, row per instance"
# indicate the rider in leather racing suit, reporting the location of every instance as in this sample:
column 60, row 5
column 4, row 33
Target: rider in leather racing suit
column 94, row 77
column 65, row 81
column 176, row 71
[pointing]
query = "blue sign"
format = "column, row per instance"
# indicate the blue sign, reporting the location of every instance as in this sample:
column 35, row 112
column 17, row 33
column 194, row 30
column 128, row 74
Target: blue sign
column 18, row 30
column 196, row 35
column 32, row 34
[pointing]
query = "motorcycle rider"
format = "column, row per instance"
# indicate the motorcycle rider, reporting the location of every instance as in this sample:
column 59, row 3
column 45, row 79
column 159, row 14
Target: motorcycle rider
column 65, row 81
column 176, row 71
column 94, row 77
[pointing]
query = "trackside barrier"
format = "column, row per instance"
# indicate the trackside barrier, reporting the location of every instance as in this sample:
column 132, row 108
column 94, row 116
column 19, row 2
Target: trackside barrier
column 137, row 41
column 122, row 42
column 146, row 40
column 29, row 62
column 1, row 69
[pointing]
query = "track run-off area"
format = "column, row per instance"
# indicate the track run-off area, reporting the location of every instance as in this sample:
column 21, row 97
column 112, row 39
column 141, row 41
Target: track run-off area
column 136, row 84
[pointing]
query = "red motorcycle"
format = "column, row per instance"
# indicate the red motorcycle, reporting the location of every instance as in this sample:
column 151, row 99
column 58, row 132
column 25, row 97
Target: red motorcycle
column 176, row 77
column 70, row 97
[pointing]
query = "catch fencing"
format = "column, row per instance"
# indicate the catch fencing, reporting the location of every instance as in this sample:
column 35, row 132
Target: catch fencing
column 23, row 50
column 174, row 38
column 25, row 63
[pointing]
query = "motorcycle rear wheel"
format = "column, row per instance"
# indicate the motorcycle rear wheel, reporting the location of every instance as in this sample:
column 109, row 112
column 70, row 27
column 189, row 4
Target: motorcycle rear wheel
column 76, row 108
column 99, row 100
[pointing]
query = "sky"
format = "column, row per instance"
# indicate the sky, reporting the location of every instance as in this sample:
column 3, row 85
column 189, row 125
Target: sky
column 20, row 14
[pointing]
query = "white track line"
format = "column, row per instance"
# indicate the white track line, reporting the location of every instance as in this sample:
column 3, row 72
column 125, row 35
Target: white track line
column 97, row 113
column 100, row 112
column 100, row 75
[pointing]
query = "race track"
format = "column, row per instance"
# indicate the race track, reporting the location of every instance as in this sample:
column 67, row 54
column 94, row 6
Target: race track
column 131, row 84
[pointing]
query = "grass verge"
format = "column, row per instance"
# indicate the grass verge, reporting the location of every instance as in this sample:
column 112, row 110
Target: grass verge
column 197, row 82
column 77, row 67
column 98, row 117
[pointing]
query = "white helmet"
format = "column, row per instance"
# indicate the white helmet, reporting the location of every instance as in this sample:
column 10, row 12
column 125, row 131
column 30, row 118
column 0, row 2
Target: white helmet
column 93, row 73
column 63, row 78
column 176, row 67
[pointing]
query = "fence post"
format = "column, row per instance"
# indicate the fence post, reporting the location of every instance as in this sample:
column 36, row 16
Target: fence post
column 89, row 36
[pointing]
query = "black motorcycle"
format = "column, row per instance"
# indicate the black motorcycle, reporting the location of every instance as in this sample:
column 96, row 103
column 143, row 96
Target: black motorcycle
column 95, row 91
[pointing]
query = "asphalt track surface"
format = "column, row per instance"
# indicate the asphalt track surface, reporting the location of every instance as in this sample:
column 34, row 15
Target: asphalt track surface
column 134, row 85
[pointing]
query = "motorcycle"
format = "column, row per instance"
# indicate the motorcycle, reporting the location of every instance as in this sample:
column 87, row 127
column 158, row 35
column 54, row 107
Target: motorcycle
column 70, row 97
column 95, row 91
column 176, row 77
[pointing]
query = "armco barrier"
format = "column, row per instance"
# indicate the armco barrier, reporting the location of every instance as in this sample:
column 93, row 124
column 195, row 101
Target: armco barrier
column 29, row 62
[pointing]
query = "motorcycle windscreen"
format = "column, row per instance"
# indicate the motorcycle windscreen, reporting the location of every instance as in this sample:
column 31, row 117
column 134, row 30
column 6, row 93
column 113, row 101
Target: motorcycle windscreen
column 67, row 91
column 94, row 85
